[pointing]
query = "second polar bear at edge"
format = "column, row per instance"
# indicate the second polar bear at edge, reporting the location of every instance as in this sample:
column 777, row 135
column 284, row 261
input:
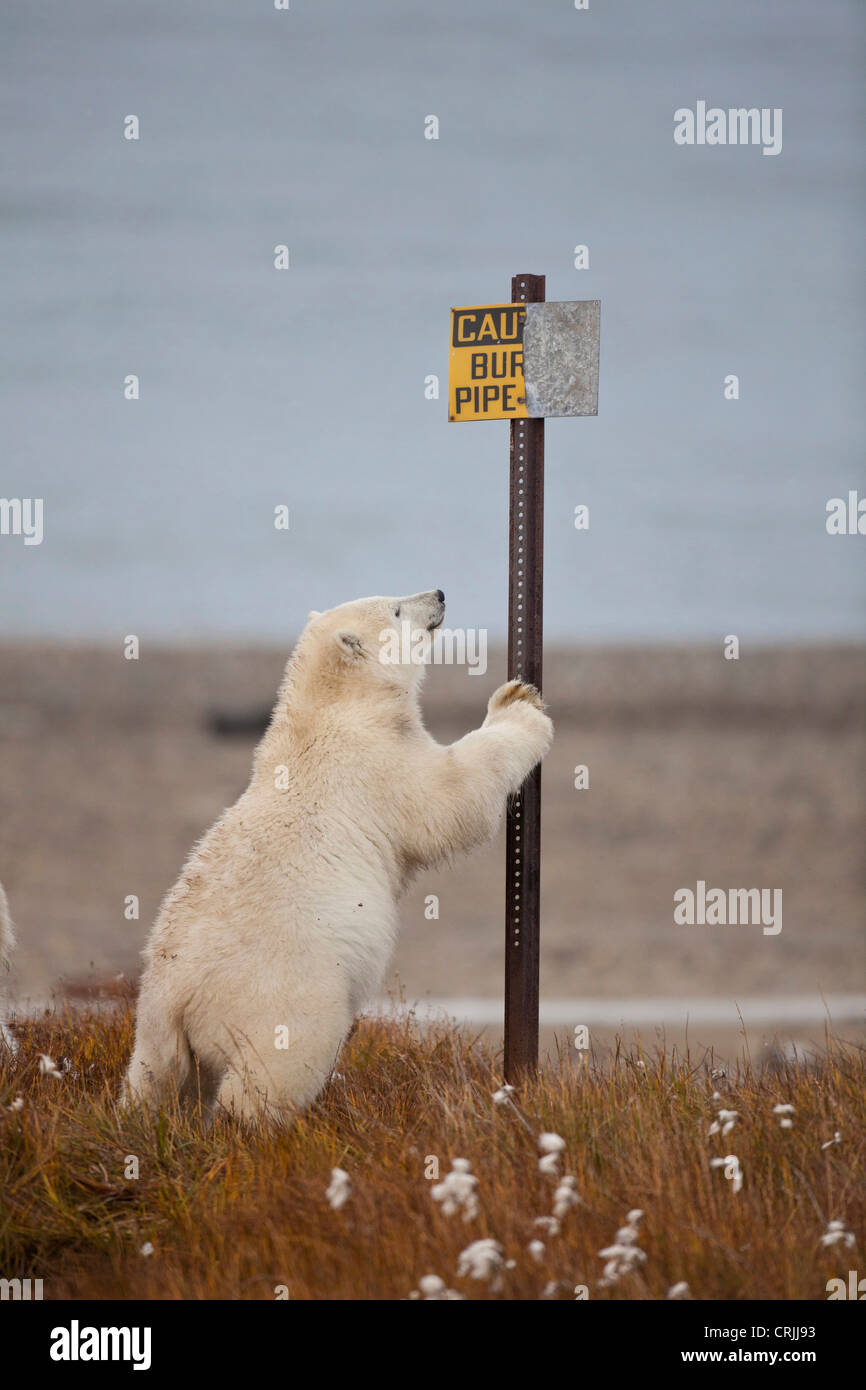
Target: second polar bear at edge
column 283, row 920
column 7, row 941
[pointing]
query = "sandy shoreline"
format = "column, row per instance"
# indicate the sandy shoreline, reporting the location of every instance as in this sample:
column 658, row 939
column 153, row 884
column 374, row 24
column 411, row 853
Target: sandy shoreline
column 736, row 773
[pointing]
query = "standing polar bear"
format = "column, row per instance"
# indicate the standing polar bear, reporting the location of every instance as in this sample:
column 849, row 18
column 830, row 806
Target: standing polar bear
column 281, row 925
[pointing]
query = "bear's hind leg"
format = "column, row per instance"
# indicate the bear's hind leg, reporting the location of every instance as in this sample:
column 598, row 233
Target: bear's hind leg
column 270, row 1075
column 161, row 1065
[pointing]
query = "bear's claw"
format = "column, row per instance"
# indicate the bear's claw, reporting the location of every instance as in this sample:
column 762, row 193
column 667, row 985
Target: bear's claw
column 513, row 691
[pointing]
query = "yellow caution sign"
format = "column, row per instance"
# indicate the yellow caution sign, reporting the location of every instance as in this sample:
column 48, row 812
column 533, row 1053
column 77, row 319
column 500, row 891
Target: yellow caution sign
column 485, row 369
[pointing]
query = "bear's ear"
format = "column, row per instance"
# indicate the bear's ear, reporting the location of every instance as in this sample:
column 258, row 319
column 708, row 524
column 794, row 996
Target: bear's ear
column 313, row 613
column 349, row 644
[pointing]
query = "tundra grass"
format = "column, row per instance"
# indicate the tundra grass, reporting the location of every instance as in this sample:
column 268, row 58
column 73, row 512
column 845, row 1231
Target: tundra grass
column 103, row 1204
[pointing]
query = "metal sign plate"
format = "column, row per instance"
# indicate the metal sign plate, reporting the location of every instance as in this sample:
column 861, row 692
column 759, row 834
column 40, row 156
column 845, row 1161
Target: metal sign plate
column 560, row 358
column 485, row 370
column 518, row 361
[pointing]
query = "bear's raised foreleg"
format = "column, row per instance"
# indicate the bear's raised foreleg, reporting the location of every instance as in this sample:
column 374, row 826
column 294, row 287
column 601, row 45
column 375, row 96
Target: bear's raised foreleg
column 464, row 793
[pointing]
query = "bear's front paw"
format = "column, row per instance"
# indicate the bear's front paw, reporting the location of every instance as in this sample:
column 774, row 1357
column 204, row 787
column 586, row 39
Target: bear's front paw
column 511, row 693
column 517, row 709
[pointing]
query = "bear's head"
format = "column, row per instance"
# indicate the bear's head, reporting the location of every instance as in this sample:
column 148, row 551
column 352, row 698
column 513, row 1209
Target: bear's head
column 379, row 642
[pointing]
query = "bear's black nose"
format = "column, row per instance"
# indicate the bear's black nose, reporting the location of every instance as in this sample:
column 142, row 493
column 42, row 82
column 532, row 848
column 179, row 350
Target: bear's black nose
column 440, row 595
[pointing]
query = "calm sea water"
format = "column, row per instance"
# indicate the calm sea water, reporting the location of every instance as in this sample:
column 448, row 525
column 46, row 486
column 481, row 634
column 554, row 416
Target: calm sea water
column 306, row 388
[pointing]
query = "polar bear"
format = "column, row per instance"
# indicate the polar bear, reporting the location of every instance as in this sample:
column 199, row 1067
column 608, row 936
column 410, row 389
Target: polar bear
column 7, row 941
column 281, row 925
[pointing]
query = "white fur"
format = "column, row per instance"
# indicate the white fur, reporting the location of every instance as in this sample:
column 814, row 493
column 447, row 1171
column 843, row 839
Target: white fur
column 7, row 941
column 285, row 913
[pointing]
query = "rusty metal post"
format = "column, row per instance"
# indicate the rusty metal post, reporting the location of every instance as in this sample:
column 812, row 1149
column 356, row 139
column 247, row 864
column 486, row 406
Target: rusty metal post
column 523, row 824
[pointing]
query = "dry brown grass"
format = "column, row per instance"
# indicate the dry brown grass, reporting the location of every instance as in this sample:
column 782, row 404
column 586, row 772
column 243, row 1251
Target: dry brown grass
column 233, row 1215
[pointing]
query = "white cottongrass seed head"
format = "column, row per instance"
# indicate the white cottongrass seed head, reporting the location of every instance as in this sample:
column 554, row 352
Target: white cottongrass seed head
column 733, row 1171
column 503, row 1095
column 837, row 1139
column 724, row 1122
column 339, row 1189
column 48, row 1066
column 432, row 1289
column 624, row 1255
column 551, row 1143
column 680, row 1290
column 483, row 1259
column 457, row 1190
column 431, row 1285
column 565, row 1197
column 537, row 1250
column 837, row 1235
column 551, row 1146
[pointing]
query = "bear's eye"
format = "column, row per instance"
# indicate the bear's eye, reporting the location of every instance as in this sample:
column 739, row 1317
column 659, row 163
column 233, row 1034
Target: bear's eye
column 397, row 611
